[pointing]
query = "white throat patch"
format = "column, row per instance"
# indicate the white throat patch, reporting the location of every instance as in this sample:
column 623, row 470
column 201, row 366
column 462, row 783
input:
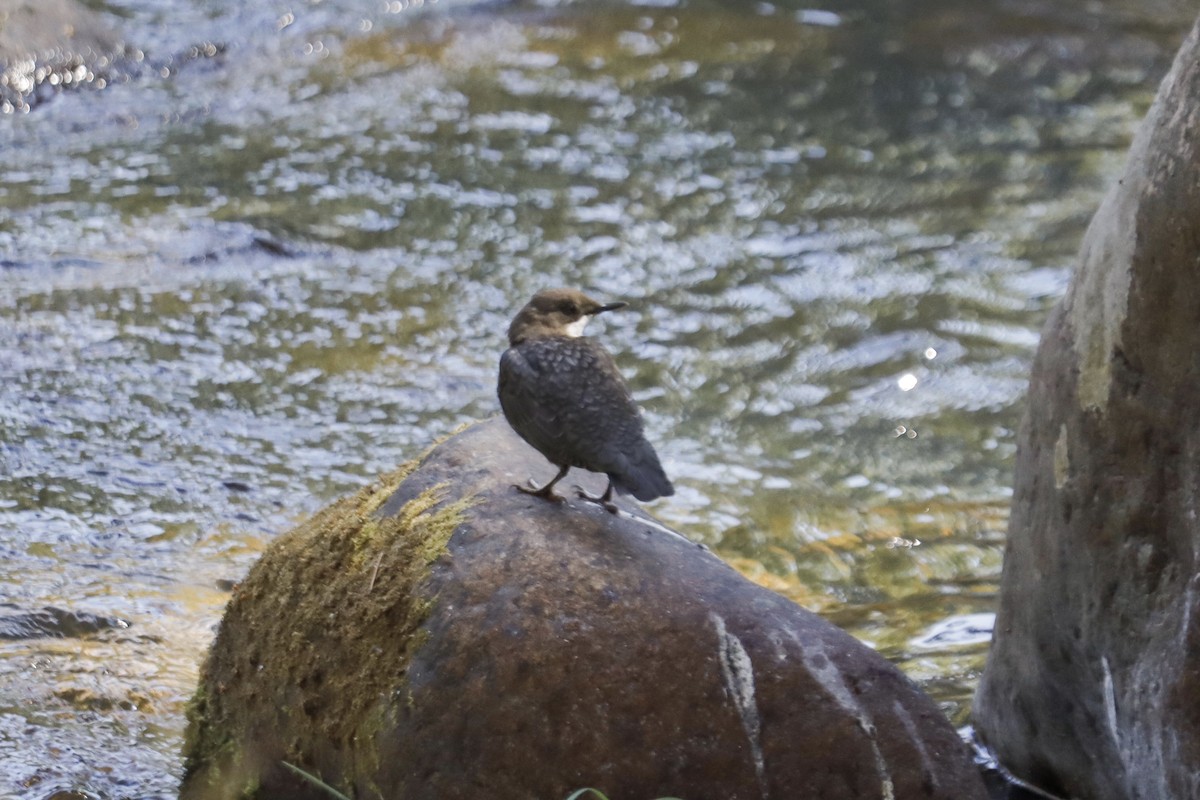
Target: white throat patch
column 575, row 329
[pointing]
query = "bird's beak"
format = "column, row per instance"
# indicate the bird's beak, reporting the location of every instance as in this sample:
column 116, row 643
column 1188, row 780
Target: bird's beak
column 610, row 307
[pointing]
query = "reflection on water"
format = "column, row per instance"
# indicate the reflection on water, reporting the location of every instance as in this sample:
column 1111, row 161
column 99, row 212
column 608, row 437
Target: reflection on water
column 235, row 293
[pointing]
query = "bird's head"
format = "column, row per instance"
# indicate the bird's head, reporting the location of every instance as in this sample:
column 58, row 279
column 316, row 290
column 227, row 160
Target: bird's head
column 556, row 312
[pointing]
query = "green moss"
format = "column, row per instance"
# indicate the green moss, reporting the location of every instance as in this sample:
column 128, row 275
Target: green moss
column 340, row 590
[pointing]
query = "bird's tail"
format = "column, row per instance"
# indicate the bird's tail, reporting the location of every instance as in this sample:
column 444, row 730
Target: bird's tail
column 644, row 479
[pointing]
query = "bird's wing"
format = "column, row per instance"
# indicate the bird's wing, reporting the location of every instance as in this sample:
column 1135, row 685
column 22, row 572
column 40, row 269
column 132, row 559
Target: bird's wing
column 529, row 408
column 608, row 425
column 611, row 430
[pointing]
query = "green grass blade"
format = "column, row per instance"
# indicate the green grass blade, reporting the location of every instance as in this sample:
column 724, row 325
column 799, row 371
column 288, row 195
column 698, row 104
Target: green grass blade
column 315, row 781
column 579, row 793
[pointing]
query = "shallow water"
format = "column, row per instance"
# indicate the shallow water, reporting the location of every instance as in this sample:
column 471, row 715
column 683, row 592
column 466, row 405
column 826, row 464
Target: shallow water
column 235, row 292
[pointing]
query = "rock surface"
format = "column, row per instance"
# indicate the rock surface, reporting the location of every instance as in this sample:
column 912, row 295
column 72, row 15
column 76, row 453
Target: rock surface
column 1092, row 687
column 441, row 635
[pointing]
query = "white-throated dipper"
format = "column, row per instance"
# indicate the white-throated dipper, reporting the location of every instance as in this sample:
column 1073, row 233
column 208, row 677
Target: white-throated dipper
column 562, row 393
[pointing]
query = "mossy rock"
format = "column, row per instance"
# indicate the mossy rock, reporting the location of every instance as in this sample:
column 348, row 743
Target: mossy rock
column 441, row 635
column 295, row 636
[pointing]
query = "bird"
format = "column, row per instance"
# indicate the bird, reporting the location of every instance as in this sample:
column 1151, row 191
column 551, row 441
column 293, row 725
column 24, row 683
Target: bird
column 563, row 394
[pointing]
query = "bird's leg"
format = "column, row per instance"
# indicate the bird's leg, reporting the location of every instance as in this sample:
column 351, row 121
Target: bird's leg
column 546, row 491
column 604, row 499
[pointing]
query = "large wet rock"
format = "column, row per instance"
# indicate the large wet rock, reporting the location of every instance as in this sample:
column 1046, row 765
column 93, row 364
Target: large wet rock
column 1092, row 687
column 441, row 635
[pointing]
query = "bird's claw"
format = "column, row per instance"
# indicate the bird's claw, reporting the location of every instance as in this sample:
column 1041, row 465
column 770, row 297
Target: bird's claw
column 544, row 492
column 600, row 500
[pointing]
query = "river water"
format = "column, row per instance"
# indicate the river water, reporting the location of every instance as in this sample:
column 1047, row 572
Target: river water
column 235, row 290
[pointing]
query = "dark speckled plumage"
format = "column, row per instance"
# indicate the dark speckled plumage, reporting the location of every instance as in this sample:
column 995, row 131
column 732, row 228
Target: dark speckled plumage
column 564, row 395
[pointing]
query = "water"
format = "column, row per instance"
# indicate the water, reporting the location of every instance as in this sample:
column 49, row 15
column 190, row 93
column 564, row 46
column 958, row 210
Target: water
column 235, row 292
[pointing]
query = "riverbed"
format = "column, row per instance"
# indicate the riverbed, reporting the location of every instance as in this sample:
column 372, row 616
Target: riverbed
column 238, row 287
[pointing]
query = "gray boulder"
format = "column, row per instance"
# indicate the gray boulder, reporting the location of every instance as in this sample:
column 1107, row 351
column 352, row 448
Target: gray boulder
column 1092, row 686
column 441, row 635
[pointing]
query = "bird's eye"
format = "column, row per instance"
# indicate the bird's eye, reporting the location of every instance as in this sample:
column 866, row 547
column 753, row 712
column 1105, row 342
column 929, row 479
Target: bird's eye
column 569, row 308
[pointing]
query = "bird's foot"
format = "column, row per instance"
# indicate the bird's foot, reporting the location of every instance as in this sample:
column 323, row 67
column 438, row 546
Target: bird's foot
column 545, row 492
column 603, row 500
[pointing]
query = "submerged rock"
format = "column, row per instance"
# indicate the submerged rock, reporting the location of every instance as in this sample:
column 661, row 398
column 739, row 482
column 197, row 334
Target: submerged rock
column 51, row 622
column 48, row 46
column 1092, row 687
column 441, row 635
